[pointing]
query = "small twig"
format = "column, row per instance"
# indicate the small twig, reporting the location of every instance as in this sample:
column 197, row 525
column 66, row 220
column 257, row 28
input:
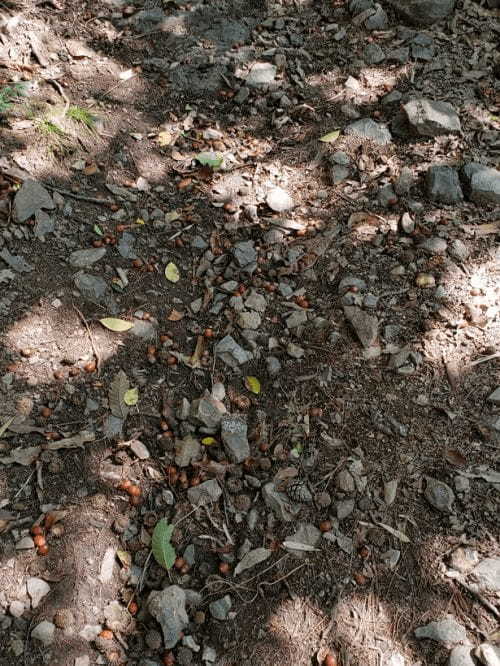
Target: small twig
column 59, row 89
column 186, row 516
column 484, row 359
column 91, row 338
column 178, row 233
column 143, row 574
column 24, row 485
column 480, row 598
column 81, row 197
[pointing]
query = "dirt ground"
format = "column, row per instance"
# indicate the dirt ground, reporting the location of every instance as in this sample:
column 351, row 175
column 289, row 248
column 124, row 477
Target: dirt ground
column 122, row 105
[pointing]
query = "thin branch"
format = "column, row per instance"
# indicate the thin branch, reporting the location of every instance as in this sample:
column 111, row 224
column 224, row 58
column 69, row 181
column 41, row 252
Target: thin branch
column 91, row 338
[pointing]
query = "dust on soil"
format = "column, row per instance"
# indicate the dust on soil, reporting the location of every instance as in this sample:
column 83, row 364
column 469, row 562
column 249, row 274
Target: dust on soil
column 173, row 75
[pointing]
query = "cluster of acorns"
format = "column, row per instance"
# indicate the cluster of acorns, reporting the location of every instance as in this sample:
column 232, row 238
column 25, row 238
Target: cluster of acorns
column 39, row 533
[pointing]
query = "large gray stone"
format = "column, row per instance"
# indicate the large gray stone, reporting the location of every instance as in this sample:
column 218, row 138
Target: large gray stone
column 431, row 118
column 482, row 184
column 234, row 438
column 487, row 574
column 87, row 257
column 423, row 12
column 206, row 493
column 220, row 608
column 364, row 324
column 443, row 185
column 461, row 655
column 367, row 128
column 207, row 411
column 37, row 589
column 30, row 198
column 231, row 352
column 44, row 632
column 96, row 290
column 439, row 495
column 447, row 631
column 261, row 74
column 187, row 451
column 168, row 607
column 279, row 503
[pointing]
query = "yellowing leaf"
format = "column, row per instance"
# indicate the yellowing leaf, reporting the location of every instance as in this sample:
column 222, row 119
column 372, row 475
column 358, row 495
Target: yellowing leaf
column 140, row 221
column 125, row 558
column 253, row 384
column 164, row 138
column 116, row 325
column 172, row 272
column 131, row 396
column 172, row 216
column 208, row 441
column 330, row 137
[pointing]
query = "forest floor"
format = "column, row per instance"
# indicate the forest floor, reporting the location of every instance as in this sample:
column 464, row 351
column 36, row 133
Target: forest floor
column 250, row 319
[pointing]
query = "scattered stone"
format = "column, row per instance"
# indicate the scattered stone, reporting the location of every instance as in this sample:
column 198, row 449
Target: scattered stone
column 424, row 12
column 206, row 493
column 487, row 574
column 117, row 617
column 209, row 655
column 488, row 654
column 369, row 129
column 126, row 246
column 220, row 608
column 44, row 632
column 26, row 543
column 106, row 573
column 430, row 118
column 294, row 350
column 306, row 534
column 187, row 451
column 279, row 503
column 434, row 245
column 344, row 508
column 447, row 631
column 391, row 558
column 90, row 632
column 390, row 490
column 249, row 319
column 245, row 256
column 16, row 262
column 364, row 324
column 256, row 301
column 279, row 200
column 495, row 396
column 143, row 329
column 459, row 250
column 443, row 185
column 394, row 659
column 296, row 319
column 439, row 495
column 234, row 438
column 345, row 481
column 84, row 660
column 16, row 608
column 273, row 366
column 86, row 258
column 252, row 558
column 96, row 290
column 261, row 74
column 30, row 198
column 482, row 184
column 37, row 589
column 207, row 411
column 373, row 54
column 378, row 19
column 231, row 352
column 461, row 655
column 345, row 543
column 168, row 607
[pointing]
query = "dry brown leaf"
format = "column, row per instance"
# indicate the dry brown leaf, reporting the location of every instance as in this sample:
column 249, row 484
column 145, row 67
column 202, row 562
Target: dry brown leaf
column 454, row 457
column 76, row 442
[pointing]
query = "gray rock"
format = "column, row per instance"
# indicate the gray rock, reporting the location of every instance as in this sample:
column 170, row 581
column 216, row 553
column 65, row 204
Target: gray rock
column 488, row 654
column 242, row 95
column 187, row 451
column 495, row 396
column 234, row 438
column 279, row 200
column 252, row 558
column 339, row 173
column 168, row 607
column 96, row 290
column 387, row 196
column 279, row 503
column 464, row 559
column 364, row 324
column 344, row 508
column 358, row 6
column 37, row 589
column 261, row 74
column 394, row 96
column 461, row 655
column 16, row 608
column 434, row 245
column 401, row 56
column 273, row 366
column 391, row 558
column 430, row 118
column 339, row 157
column 394, row 659
column 245, row 255
column 378, row 20
column 447, row 631
column 439, row 495
column 44, row 225
column 231, row 352
column 443, row 185
column 219, row 609
column 207, row 411
column 249, row 319
column 306, row 534
column 369, row 129
column 297, row 318
column 209, row 655
column 350, row 281
column 373, row 54
column 143, row 329
column 107, row 564
column 424, row 12
column 30, row 198
column 256, row 301
column 126, row 246
column 487, row 574
column 482, row 183
column 345, row 481
column 16, row 262
column 44, row 632
column 90, row 632
column 295, row 351
column 86, row 258
column 206, row 493
column 459, row 250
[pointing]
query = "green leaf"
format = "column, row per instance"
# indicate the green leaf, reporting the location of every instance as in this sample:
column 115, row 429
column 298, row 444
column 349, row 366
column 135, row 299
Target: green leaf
column 330, row 137
column 98, row 230
column 252, row 384
column 210, row 159
column 116, row 325
column 131, row 396
column 163, row 550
